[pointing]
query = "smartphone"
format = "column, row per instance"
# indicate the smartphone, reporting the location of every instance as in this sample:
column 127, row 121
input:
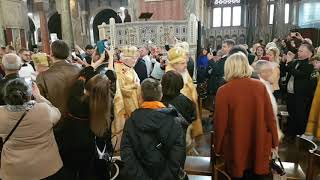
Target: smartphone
column 101, row 46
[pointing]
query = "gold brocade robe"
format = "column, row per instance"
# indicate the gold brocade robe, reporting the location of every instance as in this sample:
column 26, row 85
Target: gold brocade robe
column 190, row 91
column 313, row 127
column 127, row 97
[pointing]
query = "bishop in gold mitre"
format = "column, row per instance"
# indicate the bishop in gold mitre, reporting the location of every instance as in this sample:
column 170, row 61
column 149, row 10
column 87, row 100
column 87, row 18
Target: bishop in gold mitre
column 127, row 95
column 178, row 61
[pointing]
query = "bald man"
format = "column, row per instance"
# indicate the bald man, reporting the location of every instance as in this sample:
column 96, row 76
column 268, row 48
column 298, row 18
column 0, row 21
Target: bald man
column 11, row 64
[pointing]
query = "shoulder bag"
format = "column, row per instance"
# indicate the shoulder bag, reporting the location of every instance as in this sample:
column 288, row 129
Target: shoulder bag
column 11, row 132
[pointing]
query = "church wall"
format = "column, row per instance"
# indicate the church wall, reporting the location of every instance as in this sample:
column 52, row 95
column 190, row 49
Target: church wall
column 163, row 9
column 15, row 27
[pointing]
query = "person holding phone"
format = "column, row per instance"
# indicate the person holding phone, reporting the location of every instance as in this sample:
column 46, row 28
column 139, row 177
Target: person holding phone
column 31, row 151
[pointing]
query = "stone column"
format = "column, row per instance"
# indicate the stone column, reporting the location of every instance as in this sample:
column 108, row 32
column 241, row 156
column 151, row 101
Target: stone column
column 251, row 22
column 85, row 26
column 133, row 6
column 291, row 12
column 2, row 36
column 262, row 28
column 296, row 14
column 278, row 26
column 40, row 5
column 66, row 23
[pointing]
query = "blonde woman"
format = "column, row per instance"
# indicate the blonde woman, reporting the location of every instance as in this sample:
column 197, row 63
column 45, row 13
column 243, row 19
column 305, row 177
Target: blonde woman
column 244, row 124
column 274, row 55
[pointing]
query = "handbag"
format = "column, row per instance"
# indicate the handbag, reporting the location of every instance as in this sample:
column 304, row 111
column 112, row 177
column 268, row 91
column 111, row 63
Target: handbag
column 277, row 169
column 11, row 132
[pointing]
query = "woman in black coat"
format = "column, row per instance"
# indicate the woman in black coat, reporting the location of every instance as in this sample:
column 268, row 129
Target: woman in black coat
column 172, row 83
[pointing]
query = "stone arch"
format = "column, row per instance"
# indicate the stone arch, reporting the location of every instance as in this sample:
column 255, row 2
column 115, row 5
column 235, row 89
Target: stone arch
column 235, row 38
column 54, row 24
column 98, row 18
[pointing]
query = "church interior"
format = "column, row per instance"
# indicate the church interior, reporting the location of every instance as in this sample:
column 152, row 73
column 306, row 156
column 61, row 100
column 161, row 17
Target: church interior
column 203, row 24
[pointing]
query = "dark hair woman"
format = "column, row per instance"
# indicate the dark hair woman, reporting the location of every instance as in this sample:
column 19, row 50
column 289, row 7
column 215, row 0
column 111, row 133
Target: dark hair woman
column 172, row 83
column 31, row 152
column 89, row 121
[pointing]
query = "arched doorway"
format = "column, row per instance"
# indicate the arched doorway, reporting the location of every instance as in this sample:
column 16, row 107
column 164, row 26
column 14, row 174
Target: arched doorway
column 31, row 34
column 54, row 25
column 103, row 16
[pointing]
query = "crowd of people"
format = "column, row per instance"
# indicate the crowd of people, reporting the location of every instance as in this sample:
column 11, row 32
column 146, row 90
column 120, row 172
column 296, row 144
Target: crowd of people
column 64, row 115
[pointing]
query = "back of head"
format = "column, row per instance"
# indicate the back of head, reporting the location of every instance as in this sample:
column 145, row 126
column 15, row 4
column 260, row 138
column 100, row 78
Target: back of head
column 151, row 90
column 237, row 66
column 88, row 47
column 10, row 49
column 11, row 62
column 60, row 50
column 271, row 45
column 238, row 48
column 17, row 92
column 172, row 83
column 229, row 42
column 260, row 65
column 21, row 51
column 101, row 99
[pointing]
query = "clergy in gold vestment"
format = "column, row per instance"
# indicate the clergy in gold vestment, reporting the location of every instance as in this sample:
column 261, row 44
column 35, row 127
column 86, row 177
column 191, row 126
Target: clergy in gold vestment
column 313, row 127
column 127, row 95
column 178, row 62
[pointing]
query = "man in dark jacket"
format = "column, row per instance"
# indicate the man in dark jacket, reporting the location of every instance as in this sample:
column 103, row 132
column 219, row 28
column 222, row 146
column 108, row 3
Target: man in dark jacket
column 216, row 70
column 11, row 64
column 300, row 88
column 141, row 69
column 152, row 145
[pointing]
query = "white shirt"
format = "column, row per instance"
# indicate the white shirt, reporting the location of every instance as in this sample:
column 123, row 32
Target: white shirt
column 290, row 86
column 148, row 64
column 157, row 72
column 26, row 71
column 274, row 105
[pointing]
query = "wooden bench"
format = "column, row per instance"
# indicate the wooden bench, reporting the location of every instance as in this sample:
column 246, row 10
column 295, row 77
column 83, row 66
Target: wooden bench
column 292, row 158
column 313, row 165
column 206, row 166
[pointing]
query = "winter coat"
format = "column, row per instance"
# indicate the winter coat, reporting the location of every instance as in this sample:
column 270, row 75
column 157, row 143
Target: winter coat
column 152, row 145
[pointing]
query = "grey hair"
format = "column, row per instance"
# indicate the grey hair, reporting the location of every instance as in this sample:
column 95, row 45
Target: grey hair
column 11, row 62
column 17, row 92
column 260, row 65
